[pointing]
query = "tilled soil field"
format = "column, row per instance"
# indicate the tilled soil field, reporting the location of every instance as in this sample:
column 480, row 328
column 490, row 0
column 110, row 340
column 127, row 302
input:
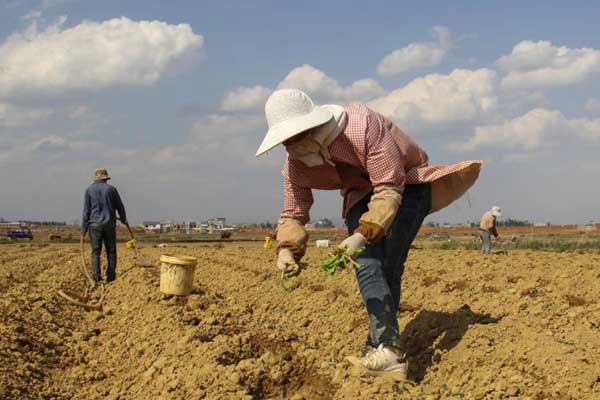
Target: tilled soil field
column 524, row 326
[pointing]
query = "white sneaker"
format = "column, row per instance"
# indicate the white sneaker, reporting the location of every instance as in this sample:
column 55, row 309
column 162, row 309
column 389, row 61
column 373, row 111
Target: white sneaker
column 383, row 361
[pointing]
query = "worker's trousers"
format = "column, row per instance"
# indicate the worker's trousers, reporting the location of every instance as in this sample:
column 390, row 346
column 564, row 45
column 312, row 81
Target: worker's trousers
column 104, row 234
column 380, row 277
column 486, row 242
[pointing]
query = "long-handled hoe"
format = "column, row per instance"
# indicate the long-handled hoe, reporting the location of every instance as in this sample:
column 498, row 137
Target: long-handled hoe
column 79, row 300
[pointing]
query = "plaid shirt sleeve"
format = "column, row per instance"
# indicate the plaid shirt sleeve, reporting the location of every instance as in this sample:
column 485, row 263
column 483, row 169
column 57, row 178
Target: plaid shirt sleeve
column 384, row 162
column 297, row 200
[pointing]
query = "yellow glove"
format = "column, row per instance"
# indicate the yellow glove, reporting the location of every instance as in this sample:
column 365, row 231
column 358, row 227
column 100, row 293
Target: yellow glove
column 130, row 244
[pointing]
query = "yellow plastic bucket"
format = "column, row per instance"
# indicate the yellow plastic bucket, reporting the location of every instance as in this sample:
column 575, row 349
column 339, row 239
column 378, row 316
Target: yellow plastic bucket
column 177, row 274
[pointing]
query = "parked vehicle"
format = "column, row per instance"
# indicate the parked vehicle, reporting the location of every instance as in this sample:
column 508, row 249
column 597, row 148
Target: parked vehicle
column 23, row 233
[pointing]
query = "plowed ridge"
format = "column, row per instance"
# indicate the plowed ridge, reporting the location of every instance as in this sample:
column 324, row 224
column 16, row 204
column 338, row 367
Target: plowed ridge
column 520, row 326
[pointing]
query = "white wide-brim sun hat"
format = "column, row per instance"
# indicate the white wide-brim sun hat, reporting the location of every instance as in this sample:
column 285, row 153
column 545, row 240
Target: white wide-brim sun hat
column 496, row 211
column 290, row 112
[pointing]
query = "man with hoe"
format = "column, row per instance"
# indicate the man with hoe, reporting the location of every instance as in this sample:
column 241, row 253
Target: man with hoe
column 387, row 187
column 487, row 228
column 101, row 203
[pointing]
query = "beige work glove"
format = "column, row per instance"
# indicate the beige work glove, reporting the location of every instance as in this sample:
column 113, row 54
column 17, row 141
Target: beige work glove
column 383, row 206
column 286, row 263
column 292, row 236
column 353, row 243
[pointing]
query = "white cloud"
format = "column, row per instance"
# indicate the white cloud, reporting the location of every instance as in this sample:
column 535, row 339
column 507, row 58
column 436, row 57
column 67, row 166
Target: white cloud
column 245, row 98
column 51, row 145
column 20, row 121
column 13, row 116
column 65, row 152
column 36, row 15
column 362, row 89
column 80, row 112
column 316, row 83
column 307, row 78
column 32, row 15
column 417, row 55
column 228, row 134
column 592, row 106
column 538, row 129
column 216, row 139
column 588, row 128
column 541, row 64
column 92, row 55
column 437, row 100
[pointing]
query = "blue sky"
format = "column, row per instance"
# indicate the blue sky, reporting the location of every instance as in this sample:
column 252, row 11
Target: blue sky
column 141, row 88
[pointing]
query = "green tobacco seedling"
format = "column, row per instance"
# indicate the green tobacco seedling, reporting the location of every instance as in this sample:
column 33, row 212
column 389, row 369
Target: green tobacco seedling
column 289, row 283
column 339, row 259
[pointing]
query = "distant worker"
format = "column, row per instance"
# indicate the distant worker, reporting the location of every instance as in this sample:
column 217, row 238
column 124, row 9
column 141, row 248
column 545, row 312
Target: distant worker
column 388, row 189
column 487, row 228
column 99, row 218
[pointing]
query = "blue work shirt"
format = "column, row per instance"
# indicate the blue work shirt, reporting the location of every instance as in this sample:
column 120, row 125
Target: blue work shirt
column 99, row 206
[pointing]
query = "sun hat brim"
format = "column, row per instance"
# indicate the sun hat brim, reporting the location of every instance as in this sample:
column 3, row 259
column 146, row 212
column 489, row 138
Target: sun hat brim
column 293, row 126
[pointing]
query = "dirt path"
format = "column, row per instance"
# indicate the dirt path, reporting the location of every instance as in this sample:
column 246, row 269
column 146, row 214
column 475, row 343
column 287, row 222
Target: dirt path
column 524, row 326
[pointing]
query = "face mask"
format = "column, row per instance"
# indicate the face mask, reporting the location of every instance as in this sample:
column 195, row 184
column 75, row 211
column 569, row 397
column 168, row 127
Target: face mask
column 312, row 150
column 303, row 147
column 307, row 151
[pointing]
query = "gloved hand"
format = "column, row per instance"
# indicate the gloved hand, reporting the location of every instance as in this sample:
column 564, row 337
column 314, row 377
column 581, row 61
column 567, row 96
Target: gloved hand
column 353, row 243
column 286, row 263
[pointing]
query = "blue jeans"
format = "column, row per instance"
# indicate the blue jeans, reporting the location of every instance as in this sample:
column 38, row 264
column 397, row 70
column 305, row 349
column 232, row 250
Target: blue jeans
column 380, row 278
column 104, row 234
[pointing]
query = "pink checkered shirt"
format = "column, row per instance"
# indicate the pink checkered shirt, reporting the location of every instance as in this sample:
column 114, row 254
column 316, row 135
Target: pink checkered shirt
column 383, row 154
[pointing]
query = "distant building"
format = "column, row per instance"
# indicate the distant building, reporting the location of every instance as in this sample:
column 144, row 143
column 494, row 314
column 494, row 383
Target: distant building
column 323, row 223
column 215, row 223
column 10, row 224
column 455, row 225
column 166, row 225
column 179, row 226
column 151, row 225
